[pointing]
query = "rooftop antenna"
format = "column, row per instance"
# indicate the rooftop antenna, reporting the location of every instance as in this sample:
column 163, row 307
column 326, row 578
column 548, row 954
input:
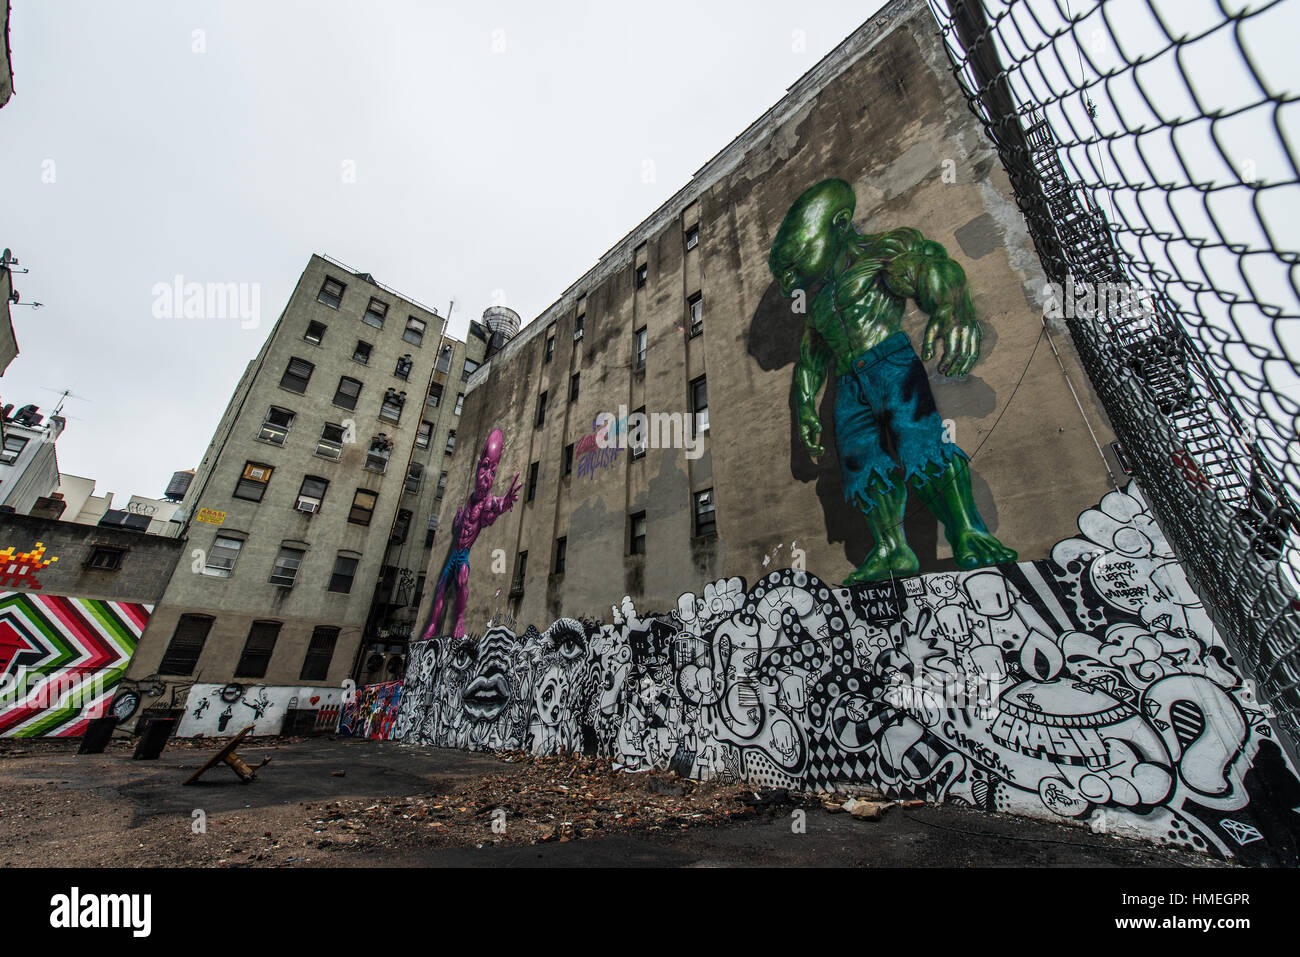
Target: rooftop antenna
column 64, row 395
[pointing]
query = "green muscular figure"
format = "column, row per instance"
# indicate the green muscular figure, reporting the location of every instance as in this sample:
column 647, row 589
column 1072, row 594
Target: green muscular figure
column 887, row 429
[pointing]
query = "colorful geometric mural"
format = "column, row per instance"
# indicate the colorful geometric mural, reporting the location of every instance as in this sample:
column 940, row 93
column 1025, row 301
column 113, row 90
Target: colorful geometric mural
column 372, row 711
column 1090, row 687
column 18, row 569
column 61, row 659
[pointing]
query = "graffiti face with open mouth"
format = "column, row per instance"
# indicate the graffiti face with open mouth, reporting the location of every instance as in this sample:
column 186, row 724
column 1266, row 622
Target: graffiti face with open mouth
column 487, row 695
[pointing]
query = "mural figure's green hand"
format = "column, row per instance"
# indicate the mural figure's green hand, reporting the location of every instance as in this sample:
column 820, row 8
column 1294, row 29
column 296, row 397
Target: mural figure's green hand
column 961, row 343
column 811, row 434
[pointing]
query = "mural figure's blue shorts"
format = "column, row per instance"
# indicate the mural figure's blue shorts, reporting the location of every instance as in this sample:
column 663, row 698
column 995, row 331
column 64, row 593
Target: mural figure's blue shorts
column 457, row 559
column 885, row 417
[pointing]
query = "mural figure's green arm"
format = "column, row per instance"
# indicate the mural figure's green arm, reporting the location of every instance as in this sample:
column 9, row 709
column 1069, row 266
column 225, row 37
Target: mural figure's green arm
column 809, row 377
column 924, row 272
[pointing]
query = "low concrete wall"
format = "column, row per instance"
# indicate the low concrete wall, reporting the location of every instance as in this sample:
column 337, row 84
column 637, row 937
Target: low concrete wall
column 1090, row 687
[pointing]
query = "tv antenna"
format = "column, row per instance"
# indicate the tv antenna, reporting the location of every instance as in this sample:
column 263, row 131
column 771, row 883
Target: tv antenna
column 64, row 395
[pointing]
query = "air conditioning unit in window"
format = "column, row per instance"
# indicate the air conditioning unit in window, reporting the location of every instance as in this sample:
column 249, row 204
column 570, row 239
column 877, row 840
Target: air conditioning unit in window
column 307, row 505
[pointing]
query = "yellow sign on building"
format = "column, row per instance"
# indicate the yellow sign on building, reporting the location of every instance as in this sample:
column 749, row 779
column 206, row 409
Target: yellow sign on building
column 211, row 516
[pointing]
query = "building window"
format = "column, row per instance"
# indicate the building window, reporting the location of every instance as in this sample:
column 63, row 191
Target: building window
column 642, row 273
column 700, row 404
column 568, row 459
column 637, row 448
column 451, row 442
column 252, row 483
column 561, row 551
column 361, row 353
column 391, row 409
column 276, row 425
column 705, row 522
column 377, row 454
column 541, row 411
column 695, row 306
column 296, row 375
column 460, row 403
column 14, row 445
column 636, row 545
column 435, row 395
column 692, row 237
column 285, row 570
column 375, row 314
column 330, row 443
column 414, row 476
column 105, row 558
column 550, row 348
column 315, row 332
column 311, row 493
column 578, row 325
column 347, row 393
column 573, row 386
column 316, row 664
column 470, row 368
column 258, row 648
column 186, row 645
column 414, row 332
column 532, row 482
column 401, row 525
column 331, row 293
column 442, row 485
column 639, row 342
column 424, row 435
column 363, row 507
column 521, row 573
column 431, row 532
column 444, row 359
column 345, row 569
column 222, row 556
column 403, row 370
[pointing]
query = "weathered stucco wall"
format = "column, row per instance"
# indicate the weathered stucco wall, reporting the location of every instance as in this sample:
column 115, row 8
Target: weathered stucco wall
column 885, row 115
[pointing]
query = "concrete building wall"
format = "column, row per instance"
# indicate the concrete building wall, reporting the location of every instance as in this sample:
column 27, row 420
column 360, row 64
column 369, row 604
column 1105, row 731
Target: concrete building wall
column 33, row 472
column 883, row 113
column 399, row 592
column 8, row 342
column 210, row 507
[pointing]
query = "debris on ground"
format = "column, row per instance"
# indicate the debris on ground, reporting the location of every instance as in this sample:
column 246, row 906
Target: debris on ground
column 541, row 799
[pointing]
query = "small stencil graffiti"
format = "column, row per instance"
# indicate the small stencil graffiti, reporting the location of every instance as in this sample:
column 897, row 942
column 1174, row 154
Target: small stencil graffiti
column 1091, row 686
column 212, row 709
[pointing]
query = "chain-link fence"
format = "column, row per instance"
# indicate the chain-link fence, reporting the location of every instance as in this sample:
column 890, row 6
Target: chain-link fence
column 1151, row 147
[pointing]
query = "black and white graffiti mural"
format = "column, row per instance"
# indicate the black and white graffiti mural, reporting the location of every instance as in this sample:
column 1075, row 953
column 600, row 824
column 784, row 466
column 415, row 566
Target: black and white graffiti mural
column 1091, row 686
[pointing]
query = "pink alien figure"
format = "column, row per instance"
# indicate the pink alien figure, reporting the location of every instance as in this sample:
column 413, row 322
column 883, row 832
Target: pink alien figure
column 480, row 510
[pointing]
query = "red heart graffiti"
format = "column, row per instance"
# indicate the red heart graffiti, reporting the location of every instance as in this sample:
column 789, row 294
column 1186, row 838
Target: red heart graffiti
column 315, row 698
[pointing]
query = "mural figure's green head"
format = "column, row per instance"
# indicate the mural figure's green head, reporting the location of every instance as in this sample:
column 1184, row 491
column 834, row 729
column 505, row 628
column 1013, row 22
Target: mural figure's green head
column 812, row 235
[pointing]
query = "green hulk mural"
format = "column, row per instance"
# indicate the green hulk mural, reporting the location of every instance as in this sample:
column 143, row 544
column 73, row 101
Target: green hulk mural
column 887, row 430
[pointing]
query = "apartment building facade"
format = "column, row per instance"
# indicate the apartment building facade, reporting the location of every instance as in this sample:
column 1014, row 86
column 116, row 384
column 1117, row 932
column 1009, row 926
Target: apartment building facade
column 290, row 515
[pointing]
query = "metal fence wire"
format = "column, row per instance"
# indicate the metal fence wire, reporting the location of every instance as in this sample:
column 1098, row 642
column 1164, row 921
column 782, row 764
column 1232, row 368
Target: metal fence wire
column 1152, row 149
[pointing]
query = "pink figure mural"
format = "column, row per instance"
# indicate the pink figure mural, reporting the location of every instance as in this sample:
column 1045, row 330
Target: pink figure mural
column 480, row 510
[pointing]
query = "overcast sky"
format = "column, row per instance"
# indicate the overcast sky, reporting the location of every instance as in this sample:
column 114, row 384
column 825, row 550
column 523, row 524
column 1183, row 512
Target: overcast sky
column 493, row 146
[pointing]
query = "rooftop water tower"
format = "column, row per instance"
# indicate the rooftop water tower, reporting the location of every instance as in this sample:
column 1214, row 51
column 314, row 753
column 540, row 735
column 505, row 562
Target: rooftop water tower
column 502, row 323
